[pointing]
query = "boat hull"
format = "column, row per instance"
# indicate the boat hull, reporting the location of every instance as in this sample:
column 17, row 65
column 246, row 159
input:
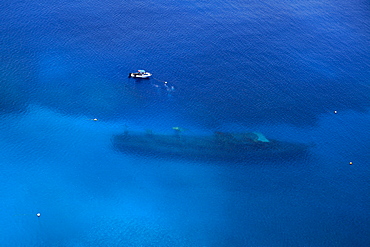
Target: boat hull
column 141, row 76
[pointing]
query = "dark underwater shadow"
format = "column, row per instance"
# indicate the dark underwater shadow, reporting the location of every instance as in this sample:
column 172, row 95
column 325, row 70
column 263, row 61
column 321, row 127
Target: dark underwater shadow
column 219, row 148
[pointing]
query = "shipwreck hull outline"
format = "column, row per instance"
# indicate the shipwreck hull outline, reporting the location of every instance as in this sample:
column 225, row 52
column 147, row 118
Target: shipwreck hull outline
column 231, row 147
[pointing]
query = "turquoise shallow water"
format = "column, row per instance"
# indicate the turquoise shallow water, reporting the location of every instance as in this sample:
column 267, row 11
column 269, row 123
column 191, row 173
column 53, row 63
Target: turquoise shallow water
column 281, row 69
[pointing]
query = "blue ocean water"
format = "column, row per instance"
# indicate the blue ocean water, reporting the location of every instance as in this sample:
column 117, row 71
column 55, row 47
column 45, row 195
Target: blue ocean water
column 281, row 68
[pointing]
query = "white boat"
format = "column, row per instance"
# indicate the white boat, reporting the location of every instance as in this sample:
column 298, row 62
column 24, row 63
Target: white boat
column 140, row 74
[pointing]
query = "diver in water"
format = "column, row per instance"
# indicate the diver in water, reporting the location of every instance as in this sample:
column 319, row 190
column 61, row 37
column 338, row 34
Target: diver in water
column 169, row 88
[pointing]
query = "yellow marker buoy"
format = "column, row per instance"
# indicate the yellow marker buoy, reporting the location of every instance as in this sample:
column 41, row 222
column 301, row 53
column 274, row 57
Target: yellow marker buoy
column 350, row 163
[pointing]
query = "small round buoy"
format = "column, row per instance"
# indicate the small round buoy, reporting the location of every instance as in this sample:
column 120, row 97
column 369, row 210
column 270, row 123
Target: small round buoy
column 350, row 163
column 335, row 112
column 38, row 214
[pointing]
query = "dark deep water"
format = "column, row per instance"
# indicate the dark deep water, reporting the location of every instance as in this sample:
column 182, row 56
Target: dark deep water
column 281, row 68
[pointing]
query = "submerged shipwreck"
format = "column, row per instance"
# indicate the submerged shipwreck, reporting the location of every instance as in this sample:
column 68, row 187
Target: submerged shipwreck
column 220, row 146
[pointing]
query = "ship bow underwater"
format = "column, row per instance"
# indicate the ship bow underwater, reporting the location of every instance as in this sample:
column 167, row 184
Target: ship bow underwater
column 221, row 146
